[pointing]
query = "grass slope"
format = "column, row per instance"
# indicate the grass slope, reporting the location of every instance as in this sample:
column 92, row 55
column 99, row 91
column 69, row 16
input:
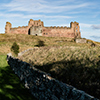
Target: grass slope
column 29, row 41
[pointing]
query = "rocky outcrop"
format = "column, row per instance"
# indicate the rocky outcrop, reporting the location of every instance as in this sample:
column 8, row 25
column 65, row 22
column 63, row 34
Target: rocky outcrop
column 43, row 86
column 81, row 40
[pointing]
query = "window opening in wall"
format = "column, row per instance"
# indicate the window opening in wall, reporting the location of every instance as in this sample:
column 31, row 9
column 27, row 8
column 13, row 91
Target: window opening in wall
column 29, row 32
column 46, row 33
column 36, row 34
column 76, row 31
column 76, row 27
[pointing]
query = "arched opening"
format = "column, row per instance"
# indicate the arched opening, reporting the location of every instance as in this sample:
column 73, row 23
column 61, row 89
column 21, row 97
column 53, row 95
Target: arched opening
column 36, row 34
column 29, row 32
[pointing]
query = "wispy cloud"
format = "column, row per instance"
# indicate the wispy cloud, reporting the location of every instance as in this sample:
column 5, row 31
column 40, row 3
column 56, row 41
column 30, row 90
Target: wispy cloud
column 45, row 16
column 95, row 37
column 7, row 15
column 85, row 25
column 11, row 15
column 43, row 6
column 95, row 26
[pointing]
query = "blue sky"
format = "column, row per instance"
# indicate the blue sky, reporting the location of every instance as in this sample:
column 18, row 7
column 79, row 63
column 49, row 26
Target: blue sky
column 53, row 13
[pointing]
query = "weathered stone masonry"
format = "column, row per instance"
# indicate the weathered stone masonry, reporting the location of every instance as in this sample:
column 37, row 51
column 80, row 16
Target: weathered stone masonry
column 36, row 27
column 42, row 86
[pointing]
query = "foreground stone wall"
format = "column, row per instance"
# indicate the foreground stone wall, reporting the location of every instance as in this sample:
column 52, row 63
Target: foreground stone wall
column 42, row 86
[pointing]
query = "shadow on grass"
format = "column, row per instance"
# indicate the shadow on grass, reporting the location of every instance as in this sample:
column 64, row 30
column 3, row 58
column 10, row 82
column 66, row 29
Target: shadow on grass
column 10, row 86
column 75, row 73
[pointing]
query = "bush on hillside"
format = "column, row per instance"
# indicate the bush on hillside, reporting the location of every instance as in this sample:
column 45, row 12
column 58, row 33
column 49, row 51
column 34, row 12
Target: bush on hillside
column 40, row 43
column 15, row 48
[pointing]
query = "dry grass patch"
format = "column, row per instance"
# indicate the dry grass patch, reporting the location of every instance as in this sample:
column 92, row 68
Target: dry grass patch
column 29, row 41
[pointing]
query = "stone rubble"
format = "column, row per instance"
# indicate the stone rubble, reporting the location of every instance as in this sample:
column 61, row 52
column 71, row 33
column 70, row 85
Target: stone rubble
column 42, row 86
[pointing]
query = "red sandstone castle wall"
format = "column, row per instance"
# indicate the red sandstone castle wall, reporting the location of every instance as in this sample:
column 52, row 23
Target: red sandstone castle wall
column 36, row 27
column 58, row 32
column 19, row 30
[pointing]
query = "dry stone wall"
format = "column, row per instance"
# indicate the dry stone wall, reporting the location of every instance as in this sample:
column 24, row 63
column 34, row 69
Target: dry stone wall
column 43, row 86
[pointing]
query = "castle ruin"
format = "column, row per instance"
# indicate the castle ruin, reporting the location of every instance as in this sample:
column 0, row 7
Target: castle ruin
column 36, row 27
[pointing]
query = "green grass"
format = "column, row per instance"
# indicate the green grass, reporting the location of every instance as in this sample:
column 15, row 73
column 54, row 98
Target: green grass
column 10, row 86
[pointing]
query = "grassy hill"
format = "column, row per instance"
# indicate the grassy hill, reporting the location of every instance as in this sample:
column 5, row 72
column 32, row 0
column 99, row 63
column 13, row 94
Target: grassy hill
column 29, row 41
column 73, row 63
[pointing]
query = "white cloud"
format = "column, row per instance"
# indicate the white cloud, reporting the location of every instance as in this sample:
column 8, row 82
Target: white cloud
column 11, row 15
column 85, row 25
column 34, row 16
column 95, row 26
column 45, row 16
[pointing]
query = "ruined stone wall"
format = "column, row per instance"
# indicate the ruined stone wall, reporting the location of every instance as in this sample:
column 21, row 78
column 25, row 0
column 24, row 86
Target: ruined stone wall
column 16, row 30
column 8, row 27
column 59, row 32
column 71, row 32
column 36, row 27
column 42, row 86
column 19, row 30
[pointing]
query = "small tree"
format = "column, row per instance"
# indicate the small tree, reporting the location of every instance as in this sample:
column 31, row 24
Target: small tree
column 40, row 43
column 15, row 48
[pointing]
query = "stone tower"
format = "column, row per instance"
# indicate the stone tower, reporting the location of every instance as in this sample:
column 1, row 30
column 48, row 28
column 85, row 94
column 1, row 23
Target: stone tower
column 35, row 27
column 76, row 29
column 7, row 27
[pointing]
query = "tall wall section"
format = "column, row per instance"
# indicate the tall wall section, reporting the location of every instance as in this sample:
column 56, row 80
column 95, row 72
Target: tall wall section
column 16, row 30
column 36, row 27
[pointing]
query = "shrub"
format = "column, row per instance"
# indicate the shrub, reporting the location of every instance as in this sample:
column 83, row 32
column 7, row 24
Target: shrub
column 15, row 48
column 40, row 43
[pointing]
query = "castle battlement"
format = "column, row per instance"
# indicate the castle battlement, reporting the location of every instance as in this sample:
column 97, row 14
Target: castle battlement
column 58, row 27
